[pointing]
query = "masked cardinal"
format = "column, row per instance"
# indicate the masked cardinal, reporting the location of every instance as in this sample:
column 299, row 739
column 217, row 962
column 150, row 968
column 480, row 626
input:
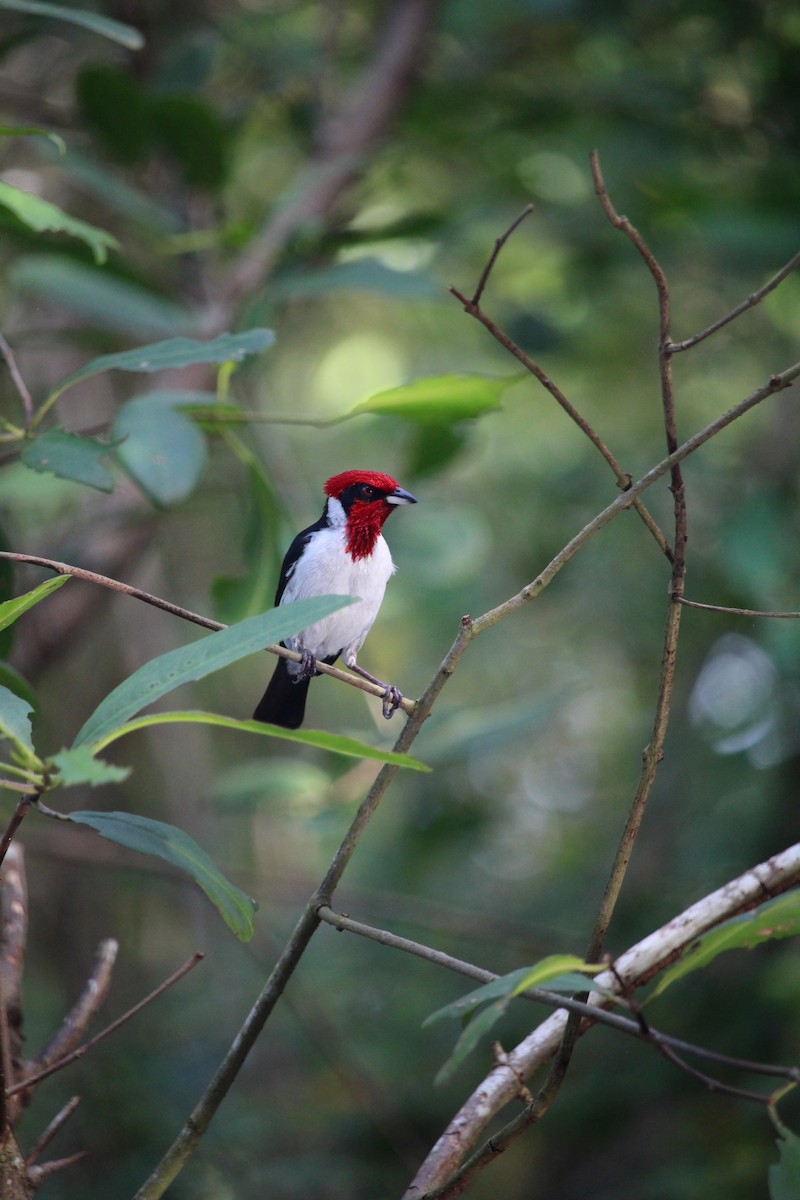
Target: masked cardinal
column 343, row 553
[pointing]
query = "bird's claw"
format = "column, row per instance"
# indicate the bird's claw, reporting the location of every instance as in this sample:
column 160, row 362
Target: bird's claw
column 392, row 700
column 308, row 667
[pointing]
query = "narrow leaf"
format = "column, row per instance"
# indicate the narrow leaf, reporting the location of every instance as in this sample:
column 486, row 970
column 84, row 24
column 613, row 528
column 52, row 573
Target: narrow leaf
column 160, row 448
column 784, row 1175
column 80, row 766
column 174, row 353
column 34, row 131
column 176, row 847
column 125, row 35
column 558, row 972
column 474, row 1032
column 10, row 610
column 15, row 724
column 70, row 457
column 163, row 674
column 334, row 742
column 42, row 216
column 778, row 918
column 439, row 398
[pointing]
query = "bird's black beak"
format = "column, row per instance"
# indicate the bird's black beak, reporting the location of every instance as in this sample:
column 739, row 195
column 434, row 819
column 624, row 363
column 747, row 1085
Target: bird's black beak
column 400, row 496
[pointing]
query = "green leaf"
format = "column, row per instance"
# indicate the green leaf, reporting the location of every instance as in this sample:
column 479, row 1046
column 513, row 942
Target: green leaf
column 558, row 972
column 174, row 353
column 15, row 725
column 34, row 131
column 70, row 457
column 10, row 678
column 10, row 610
column 439, row 398
column 102, row 298
column 334, row 742
column 778, row 918
column 163, row 674
column 784, row 1175
column 125, row 35
column 160, row 448
column 42, row 216
column 80, row 766
column 176, row 847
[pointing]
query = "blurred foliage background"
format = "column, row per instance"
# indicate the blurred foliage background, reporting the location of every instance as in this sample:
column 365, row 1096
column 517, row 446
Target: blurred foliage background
column 190, row 151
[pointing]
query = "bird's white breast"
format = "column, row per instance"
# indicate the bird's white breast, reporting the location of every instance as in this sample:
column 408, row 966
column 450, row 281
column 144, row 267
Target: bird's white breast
column 325, row 568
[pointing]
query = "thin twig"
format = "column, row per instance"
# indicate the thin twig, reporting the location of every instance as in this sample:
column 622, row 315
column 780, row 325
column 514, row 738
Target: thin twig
column 36, row 1175
column 17, row 817
column 654, row 750
column 19, row 382
column 737, row 612
column 186, row 614
column 670, row 1054
column 750, row 302
column 78, row 1053
column 88, row 1004
column 623, row 478
column 498, row 246
column 46, row 1136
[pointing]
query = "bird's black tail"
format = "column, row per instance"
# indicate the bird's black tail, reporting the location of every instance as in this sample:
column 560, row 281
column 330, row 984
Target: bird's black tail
column 284, row 701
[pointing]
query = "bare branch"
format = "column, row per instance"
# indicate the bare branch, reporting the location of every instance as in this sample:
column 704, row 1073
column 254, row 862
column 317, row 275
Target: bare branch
column 55, row 1126
column 33, row 1080
column 36, row 1175
column 19, row 382
column 737, row 612
column 498, row 246
column 750, row 302
column 473, row 308
column 86, row 1007
column 17, row 817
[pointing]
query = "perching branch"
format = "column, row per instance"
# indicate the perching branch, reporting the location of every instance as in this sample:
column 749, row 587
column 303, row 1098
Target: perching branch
column 186, row 614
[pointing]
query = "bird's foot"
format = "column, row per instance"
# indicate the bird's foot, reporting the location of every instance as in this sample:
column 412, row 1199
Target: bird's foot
column 392, row 697
column 391, row 701
column 308, row 667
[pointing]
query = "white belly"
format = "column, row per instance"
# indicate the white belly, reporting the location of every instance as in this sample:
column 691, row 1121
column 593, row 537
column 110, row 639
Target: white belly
column 327, row 569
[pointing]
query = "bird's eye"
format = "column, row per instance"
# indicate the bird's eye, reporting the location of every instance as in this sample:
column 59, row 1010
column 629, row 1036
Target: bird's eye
column 367, row 492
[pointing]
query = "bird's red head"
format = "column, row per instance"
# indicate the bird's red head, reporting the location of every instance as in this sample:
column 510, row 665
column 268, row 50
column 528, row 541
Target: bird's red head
column 367, row 498
column 340, row 483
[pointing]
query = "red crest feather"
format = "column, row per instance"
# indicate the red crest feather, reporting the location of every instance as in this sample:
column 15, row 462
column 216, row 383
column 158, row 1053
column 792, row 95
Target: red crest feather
column 338, row 483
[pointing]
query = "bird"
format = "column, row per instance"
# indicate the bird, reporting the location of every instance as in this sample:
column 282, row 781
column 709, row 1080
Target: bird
column 343, row 553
